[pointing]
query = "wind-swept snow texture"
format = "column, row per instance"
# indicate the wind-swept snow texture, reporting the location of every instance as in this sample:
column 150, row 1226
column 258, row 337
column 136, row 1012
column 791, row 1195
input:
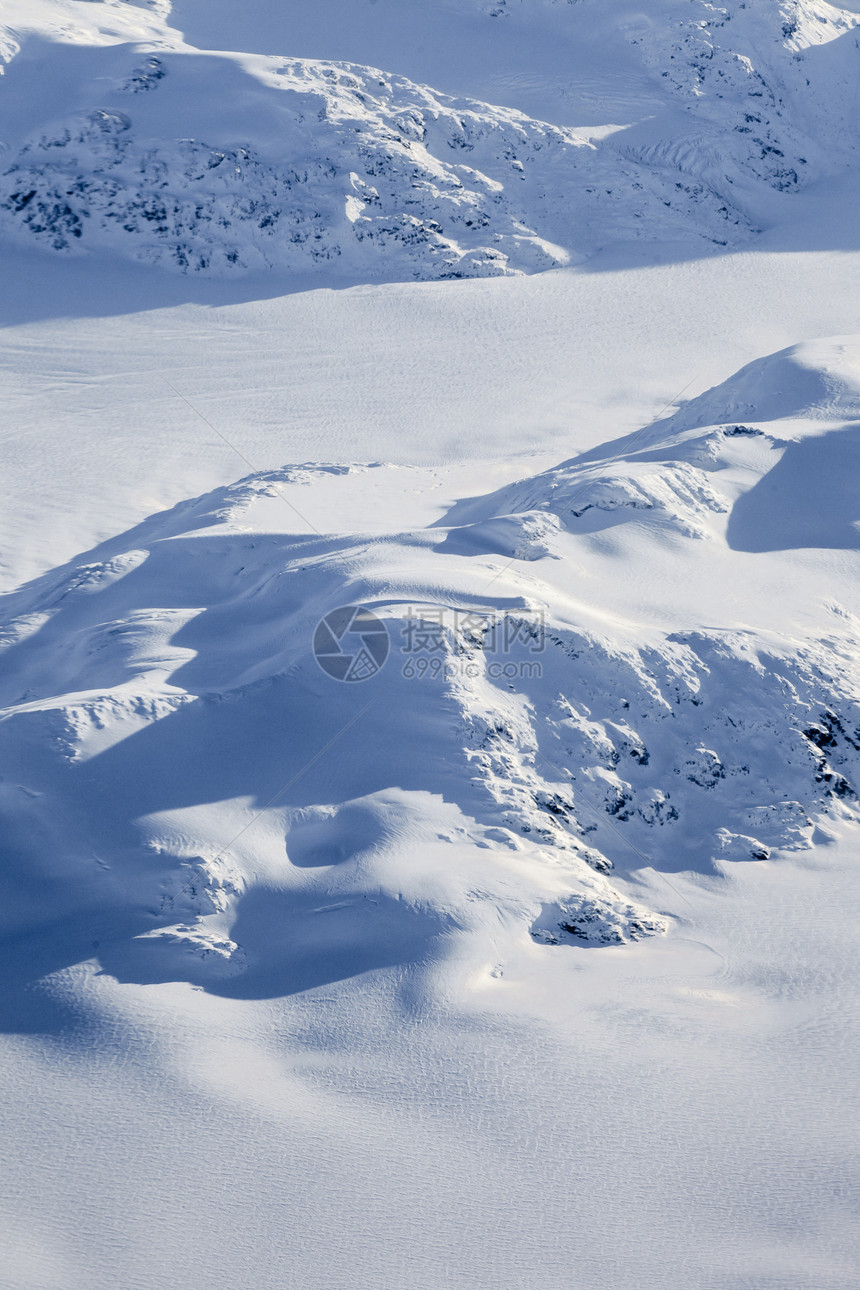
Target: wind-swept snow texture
column 219, row 162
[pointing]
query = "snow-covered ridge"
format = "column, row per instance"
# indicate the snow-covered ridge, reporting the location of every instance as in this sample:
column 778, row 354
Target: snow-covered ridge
column 568, row 742
column 361, row 171
column 217, row 163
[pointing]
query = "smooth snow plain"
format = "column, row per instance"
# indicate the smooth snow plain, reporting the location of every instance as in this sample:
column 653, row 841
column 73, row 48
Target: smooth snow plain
column 442, row 978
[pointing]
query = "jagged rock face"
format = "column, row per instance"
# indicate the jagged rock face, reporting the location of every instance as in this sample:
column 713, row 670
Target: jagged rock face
column 757, row 94
column 366, row 174
column 370, row 175
column 700, row 744
column 762, row 87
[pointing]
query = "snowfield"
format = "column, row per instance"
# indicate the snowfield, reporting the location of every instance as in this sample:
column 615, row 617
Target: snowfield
column 429, row 708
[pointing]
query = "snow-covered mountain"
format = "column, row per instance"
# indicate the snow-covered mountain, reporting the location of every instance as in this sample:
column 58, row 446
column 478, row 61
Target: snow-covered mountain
column 216, row 162
column 430, row 862
column 516, row 712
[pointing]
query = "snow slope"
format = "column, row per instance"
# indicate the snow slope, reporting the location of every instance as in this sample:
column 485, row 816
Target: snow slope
column 529, row 959
column 567, row 738
column 221, row 162
column 392, row 901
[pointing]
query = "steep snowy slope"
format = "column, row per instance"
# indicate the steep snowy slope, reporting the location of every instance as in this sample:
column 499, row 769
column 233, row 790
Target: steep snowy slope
column 360, row 171
column 159, row 694
column 215, row 163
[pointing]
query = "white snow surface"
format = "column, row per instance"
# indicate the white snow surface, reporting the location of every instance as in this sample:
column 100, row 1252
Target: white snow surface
column 526, row 955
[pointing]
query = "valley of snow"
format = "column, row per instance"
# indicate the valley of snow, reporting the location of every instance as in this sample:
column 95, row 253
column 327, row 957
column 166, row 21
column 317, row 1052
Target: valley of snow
column 525, row 956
